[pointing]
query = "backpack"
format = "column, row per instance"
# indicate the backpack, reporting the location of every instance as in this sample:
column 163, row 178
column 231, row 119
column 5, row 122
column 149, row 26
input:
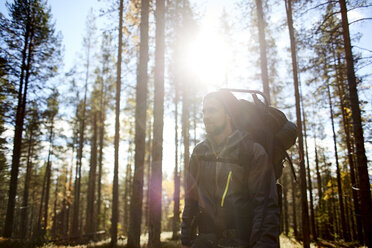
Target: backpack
column 267, row 126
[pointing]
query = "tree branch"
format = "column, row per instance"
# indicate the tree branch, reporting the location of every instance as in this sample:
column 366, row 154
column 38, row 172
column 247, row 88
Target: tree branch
column 360, row 20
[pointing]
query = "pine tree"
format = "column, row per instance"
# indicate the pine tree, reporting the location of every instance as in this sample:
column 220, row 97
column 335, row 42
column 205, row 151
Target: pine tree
column 115, row 186
column 32, row 136
column 157, row 147
column 29, row 39
column 304, row 205
column 365, row 192
column 140, row 130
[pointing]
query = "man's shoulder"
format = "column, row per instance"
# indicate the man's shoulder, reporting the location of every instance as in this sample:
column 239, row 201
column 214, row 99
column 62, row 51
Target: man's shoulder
column 201, row 147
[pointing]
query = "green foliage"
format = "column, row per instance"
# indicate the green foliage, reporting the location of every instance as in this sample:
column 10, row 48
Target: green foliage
column 30, row 23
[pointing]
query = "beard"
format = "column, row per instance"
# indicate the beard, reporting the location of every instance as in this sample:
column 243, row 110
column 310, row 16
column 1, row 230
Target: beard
column 213, row 129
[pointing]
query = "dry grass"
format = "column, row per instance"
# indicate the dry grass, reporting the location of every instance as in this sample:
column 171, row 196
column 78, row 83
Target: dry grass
column 285, row 242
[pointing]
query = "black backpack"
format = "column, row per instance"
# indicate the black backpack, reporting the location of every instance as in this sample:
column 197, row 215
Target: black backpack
column 268, row 126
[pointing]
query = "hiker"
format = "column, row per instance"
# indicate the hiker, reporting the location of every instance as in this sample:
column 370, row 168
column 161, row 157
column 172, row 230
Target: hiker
column 231, row 195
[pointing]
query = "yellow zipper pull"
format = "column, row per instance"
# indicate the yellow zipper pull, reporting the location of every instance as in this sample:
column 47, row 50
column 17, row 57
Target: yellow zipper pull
column 226, row 188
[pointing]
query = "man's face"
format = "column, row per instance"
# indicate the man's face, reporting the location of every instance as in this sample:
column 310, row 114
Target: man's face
column 214, row 116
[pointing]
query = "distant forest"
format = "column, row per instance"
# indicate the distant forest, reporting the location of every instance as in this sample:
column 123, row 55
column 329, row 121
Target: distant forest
column 85, row 151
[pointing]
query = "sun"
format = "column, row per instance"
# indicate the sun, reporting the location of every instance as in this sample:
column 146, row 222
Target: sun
column 208, row 57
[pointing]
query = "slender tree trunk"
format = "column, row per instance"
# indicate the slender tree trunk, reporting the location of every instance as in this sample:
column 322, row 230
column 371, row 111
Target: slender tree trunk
column 55, row 226
column 312, row 215
column 177, row 185
column 305, row 214
column 318, row 177
column 346, row 125
column 338, row 172
column 37, row 232
column 66, row 197
column 336, row 229
column 76, row 222
column 263, row 56
column 365, row 192
column 147, row 174
column 48, row 175
column 70, row 190
column 128, row 185
column 157, row 147
column 319, row 185
column 17, row 141
column 285, row 201
column 294, row 214
column 25, row 206
column 99, row 179
column 91, row 213
column 140, row 131
column 115, row 186
column 100, row 165
column 101, row 144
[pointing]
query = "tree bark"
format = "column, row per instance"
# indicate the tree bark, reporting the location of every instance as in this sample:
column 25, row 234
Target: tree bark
column 76, row 222
column 285, row 204
column 17, row 141
column 294, row 214
column 263, row 56
column 338, row 172
column 115, row 186
column 365, row 192
column 91, row 212
column 349, row 146
column 25, row 206
column 319, row 185
column 128, row 185
column 157, row 147
column 177, row 185
column 312, row 215
column 140, row 131
column 304, row 206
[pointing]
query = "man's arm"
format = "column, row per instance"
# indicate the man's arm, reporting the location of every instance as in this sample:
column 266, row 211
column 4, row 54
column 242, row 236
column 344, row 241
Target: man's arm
column 262, row 187
column 191, row 204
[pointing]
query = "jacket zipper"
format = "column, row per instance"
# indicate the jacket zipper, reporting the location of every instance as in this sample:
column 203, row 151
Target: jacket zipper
column 226, row 188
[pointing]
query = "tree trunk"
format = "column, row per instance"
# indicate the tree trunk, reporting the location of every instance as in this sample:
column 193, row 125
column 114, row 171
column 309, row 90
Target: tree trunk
column 305, row 214
column 115, row 186
column 55, row 227
column 148, row 174
column 338, row 172
column 294, row 214
column 365, row 192
column 263, row 56
column 177, row 185
column 140, row 131
column 18, row 130
column 285, row 204
column 100, row 165
column 101, row 144
column 128, row 185
column 349, row 145
column 312, row 215
column 25, row 206
column 48, row 175
column 157, row 147
column 76, row 226
column 91, row 213
column 319, row 185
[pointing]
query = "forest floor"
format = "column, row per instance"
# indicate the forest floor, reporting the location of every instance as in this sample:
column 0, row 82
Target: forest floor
column 285, row 242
